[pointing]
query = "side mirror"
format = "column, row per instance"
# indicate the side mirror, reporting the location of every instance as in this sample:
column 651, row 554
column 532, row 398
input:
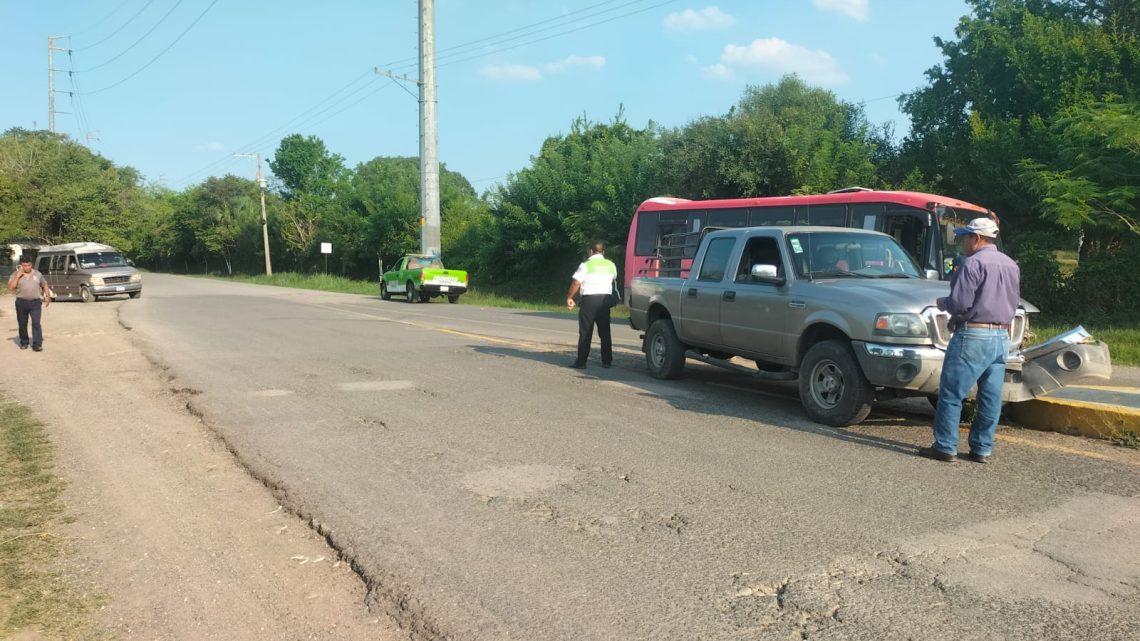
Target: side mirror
column 932, row 274
column 766, row 274
column 130, row 262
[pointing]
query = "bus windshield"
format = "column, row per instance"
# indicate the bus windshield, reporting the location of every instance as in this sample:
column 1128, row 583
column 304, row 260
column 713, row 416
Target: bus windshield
column 952, row 219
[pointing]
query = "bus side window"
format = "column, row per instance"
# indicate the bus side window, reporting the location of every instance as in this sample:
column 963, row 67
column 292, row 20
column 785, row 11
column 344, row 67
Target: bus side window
column 759, row 216
column 823, row 215
column 868, row 216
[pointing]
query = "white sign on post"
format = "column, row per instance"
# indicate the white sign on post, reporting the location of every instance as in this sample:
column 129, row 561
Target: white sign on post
column 326, row 248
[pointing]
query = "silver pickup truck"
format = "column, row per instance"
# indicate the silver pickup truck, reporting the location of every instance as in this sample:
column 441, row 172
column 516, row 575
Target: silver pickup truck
column 845, row 311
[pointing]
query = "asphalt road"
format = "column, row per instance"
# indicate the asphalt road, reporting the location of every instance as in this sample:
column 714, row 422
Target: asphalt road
column 485, row 491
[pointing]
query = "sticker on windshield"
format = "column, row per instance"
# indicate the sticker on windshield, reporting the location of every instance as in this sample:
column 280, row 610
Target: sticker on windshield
column 796, row 245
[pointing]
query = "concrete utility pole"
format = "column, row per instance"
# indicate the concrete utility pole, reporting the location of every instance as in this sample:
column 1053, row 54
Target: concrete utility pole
column 429, row 158
column 264, row 220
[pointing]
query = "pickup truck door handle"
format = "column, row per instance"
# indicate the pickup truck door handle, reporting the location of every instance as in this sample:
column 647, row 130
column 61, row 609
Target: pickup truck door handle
column 693, row 291
column 729, row 296
column 797, row 304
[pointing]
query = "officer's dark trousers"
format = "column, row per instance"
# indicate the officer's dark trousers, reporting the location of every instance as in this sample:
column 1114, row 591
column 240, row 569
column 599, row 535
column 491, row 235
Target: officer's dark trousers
column 594, row 310
column 26, row 309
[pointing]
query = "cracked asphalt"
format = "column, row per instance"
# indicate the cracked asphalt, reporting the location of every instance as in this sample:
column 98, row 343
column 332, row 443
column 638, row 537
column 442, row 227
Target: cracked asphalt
column 485, row 491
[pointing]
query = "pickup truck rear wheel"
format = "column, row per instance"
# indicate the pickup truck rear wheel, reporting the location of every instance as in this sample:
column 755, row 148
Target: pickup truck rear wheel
column 453, row 298
column 664, row 354
column 411, row 292
column 833, row 389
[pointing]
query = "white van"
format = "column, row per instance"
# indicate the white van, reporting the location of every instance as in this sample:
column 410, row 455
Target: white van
column 87, row 271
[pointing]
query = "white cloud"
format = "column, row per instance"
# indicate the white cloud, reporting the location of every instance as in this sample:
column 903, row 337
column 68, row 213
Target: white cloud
column 703, row 20
column 779, row 56
column 511, row 73
column 210, row 146
column 857, row 9
column 718, row 72
column 531, row 73
column 570, row 62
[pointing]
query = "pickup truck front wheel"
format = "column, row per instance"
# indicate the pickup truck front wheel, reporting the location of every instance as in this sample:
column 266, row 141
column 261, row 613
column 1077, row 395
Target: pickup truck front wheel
column 384, row 295
column 833, row 389
column 664, row 354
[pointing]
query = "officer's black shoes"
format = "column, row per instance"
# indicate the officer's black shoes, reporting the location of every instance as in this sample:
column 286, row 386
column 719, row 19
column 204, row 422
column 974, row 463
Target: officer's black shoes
column 937, row 455
column 577, row 365
column 606, row 365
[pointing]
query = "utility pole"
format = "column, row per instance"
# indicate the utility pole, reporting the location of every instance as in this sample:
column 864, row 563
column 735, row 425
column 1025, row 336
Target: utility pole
column 51, row 81
column 429, row 158
column 264, row 220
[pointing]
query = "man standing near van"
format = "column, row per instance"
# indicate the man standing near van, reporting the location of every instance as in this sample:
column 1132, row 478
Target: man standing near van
column 32, row 294
column 595, row 279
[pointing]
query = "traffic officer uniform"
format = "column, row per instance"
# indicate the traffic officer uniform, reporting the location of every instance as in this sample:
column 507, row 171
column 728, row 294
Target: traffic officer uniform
column 595, row 280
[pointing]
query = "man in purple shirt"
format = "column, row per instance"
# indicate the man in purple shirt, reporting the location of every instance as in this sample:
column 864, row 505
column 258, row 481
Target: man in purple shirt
column 983, row 299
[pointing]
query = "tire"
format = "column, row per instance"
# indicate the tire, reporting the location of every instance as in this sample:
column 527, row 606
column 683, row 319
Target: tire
column 833, row 389
column 410, row 292
column 664, row 354
column 384, row 293
column 453, row 298
column 424, row 297
column 86, row 295
column 134, row 294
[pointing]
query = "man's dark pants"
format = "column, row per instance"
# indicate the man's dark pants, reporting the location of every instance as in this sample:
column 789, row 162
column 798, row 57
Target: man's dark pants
column 30, row 308
column 594, row 310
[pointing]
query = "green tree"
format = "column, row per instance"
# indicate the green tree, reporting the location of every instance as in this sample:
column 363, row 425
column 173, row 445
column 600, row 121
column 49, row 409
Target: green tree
column 582, row 186
column 314, row 184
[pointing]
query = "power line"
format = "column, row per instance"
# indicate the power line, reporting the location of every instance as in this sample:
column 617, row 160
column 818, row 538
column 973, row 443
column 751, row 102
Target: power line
column 465, row 45
column 556, row 35
column 160, row 53
column 136, row 42
column 304, row 115
column 121, row 27
column 456, row 56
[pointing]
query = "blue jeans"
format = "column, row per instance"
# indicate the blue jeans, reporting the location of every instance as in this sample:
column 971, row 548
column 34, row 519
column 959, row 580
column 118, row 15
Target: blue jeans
column 974, row 355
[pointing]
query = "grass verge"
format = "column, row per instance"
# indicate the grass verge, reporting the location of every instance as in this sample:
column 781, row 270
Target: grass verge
column 38, row 600
column 344, row 285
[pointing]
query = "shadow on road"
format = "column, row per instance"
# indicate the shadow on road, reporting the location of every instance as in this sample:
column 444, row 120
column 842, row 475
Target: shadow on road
column 711, row 390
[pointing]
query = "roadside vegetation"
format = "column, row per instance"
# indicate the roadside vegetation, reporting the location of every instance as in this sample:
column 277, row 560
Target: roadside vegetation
column 39, row 598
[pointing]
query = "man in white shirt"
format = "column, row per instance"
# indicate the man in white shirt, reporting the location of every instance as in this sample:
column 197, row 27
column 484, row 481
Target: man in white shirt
column 595, row 280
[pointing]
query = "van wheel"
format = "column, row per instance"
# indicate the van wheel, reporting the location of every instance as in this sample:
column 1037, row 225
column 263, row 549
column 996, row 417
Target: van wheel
column 833, row 389
column 410, row 292
column 384, row 295
column 86, row 295
column 664, row 354
column 134, row 294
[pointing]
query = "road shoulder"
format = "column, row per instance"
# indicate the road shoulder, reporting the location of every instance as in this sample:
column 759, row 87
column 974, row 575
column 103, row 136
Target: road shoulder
column 183, row 541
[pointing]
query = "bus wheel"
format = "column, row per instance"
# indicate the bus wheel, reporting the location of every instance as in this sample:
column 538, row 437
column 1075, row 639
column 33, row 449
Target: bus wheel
column 664, row 354
column 833, row 390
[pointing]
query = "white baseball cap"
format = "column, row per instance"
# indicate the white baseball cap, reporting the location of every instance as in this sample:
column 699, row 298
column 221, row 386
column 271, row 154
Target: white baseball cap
column 980, row 226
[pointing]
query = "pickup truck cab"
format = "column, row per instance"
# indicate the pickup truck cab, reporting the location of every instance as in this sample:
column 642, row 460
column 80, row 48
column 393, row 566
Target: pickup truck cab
column 846, row 312
column 421, row 278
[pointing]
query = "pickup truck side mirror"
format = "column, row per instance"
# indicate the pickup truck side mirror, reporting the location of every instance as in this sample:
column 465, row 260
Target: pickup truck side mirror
column 932, row 274
column 766, row 274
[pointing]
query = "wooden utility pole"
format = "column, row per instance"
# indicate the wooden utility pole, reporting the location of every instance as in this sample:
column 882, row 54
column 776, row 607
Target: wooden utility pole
column 429, row 142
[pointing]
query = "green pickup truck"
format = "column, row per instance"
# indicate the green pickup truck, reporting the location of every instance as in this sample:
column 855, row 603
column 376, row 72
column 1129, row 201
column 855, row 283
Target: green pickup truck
column 423, row 278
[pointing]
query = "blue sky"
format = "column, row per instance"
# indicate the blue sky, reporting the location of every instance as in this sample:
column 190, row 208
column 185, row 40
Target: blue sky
column 175, row 87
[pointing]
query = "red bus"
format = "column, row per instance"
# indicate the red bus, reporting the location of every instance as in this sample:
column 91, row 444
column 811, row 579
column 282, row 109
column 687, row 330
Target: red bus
column 922, row 223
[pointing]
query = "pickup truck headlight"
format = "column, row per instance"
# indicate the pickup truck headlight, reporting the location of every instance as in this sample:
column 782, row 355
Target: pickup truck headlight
column 136, row 278
column 96, row 280
column 900, row 325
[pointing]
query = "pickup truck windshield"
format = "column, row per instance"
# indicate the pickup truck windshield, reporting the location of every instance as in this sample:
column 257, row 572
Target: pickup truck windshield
column 102, row 259
column 843, row 254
